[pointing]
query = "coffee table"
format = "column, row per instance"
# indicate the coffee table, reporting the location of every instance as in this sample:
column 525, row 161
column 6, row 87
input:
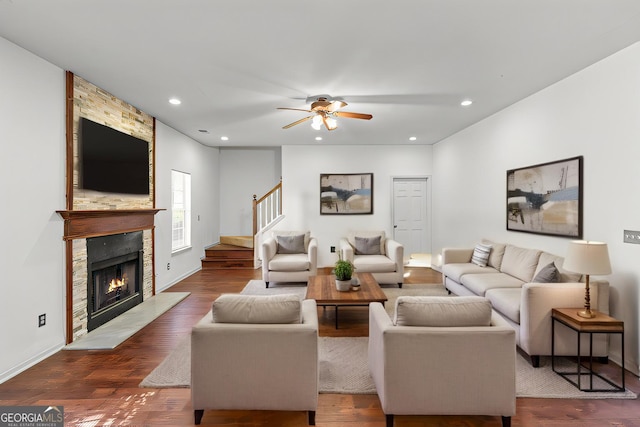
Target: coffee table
column 323, row 289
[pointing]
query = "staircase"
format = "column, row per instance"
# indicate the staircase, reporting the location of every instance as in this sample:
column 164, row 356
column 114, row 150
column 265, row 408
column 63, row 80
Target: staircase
column 237, row 252
column 233, row 252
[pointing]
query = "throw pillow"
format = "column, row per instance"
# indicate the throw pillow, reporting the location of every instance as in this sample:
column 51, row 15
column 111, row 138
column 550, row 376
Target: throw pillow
column 351, row 238
column 548, row 274
column 306, row 233
column 272, row 309
column 367, row 245
column 481, row 254
column 291, row 244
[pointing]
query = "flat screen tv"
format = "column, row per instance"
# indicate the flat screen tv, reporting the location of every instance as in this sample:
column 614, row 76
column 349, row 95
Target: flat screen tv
column 111, row 161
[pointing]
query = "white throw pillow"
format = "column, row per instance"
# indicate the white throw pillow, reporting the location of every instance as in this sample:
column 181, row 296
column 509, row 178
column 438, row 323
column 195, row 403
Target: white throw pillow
column 481, row 254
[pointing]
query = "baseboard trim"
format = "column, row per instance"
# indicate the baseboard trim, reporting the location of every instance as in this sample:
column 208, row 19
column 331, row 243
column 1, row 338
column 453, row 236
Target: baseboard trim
column 7, row 375
column 179, row 279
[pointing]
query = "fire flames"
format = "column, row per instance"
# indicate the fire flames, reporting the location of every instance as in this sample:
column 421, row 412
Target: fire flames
column 117, row 283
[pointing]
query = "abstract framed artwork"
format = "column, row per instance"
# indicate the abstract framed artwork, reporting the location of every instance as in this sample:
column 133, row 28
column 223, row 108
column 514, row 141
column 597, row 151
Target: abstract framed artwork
column 346, row 194
column 546, row 198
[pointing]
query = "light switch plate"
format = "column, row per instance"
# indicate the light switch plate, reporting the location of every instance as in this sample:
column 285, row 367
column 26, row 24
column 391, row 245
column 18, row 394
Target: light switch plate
column 631, row 236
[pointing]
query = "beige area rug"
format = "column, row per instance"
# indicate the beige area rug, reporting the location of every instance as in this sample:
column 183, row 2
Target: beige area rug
column 340, row 363
column 344, row 370
column 343, row 361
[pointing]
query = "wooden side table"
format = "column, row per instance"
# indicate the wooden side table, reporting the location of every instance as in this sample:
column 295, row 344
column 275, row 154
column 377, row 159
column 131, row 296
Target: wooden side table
column 600, row 324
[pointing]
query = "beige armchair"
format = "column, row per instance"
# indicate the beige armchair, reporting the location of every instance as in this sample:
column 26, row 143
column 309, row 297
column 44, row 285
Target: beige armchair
column 256, row 353
column 433, row 360
column 371, row 252
column 289, row 256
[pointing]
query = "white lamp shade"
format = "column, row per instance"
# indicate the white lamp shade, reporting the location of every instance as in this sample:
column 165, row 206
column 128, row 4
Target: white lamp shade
column 587, row 258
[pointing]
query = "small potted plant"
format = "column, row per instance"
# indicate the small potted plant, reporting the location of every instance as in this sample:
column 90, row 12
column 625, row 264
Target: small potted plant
column 343, row 271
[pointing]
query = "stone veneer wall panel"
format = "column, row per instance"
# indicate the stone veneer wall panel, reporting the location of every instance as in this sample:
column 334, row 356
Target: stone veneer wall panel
column 96, row 104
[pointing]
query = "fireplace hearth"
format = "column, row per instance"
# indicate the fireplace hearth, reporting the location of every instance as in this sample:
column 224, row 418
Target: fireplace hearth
column 115, row 276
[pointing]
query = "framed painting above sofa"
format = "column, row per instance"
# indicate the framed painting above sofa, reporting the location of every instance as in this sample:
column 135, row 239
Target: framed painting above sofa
column 346, row 194
column 546, row 198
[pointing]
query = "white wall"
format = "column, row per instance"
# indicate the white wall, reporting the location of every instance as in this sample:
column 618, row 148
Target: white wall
column 243, row 173
column 594, row 113
column 32, row 172
column 32, row 169
column 179, row 152
column 301, row 169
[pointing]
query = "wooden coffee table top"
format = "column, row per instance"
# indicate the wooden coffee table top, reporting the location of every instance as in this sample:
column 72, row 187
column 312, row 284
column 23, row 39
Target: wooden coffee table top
column 323, row 290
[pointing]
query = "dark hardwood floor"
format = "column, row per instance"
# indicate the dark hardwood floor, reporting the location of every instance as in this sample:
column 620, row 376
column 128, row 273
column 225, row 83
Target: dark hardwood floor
column 100, row 388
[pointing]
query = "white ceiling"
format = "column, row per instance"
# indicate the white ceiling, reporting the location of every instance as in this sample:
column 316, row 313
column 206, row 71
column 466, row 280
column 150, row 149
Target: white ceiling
column 407, row 62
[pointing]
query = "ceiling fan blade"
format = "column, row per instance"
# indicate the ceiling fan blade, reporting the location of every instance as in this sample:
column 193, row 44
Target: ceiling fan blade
column 294, row 109
column 336, row 105
column 350, row 115
column 298, row 122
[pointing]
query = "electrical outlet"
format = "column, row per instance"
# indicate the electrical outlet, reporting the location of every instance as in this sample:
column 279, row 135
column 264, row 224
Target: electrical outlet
column 333, row 249
column 42, row 320
column 631, row 236
column 168, row 266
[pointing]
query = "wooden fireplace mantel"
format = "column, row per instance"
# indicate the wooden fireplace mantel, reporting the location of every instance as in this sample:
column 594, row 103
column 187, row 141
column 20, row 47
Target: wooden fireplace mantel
column 91, row 223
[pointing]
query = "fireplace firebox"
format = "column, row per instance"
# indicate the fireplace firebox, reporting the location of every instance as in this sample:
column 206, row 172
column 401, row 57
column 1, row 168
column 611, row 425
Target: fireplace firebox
column 115, row 276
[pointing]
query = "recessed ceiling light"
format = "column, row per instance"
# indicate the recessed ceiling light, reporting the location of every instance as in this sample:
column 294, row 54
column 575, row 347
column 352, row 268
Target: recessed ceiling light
column 224, row 138
column 413, row 138
column 318, row 138
column 466, row 102
column 175, row 101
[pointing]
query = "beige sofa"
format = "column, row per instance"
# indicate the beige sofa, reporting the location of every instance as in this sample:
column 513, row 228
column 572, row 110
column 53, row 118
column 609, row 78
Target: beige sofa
column 289, row 256
column 511, row 281
column 256, row 352
column 442, row 356
column 371, row 252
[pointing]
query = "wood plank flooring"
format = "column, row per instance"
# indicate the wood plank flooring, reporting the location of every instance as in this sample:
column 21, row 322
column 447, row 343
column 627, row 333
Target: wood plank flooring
column 100, row 388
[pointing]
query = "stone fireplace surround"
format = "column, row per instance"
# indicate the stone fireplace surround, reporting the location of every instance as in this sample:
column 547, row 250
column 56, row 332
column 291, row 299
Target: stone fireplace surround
column 80, row 225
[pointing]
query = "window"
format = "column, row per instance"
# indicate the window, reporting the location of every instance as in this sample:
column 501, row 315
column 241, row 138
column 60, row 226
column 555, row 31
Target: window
column 180, row 210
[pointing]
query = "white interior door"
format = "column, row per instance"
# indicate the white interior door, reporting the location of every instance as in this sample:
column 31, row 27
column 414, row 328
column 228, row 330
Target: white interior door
column 410, row 215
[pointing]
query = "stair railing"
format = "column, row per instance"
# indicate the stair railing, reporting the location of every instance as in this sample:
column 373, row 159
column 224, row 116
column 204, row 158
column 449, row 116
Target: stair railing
column 267, row 208
column 267, row 212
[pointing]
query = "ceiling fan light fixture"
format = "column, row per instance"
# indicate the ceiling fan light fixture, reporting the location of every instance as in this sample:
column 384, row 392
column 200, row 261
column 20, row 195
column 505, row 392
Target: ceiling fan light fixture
column 316, row 122
column 324, row 113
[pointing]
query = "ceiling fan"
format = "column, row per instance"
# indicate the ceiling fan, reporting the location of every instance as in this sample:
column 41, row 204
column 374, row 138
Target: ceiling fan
column 325, row 112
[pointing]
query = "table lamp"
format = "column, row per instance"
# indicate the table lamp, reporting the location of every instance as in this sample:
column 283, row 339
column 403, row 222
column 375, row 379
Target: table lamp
column 587, row 258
